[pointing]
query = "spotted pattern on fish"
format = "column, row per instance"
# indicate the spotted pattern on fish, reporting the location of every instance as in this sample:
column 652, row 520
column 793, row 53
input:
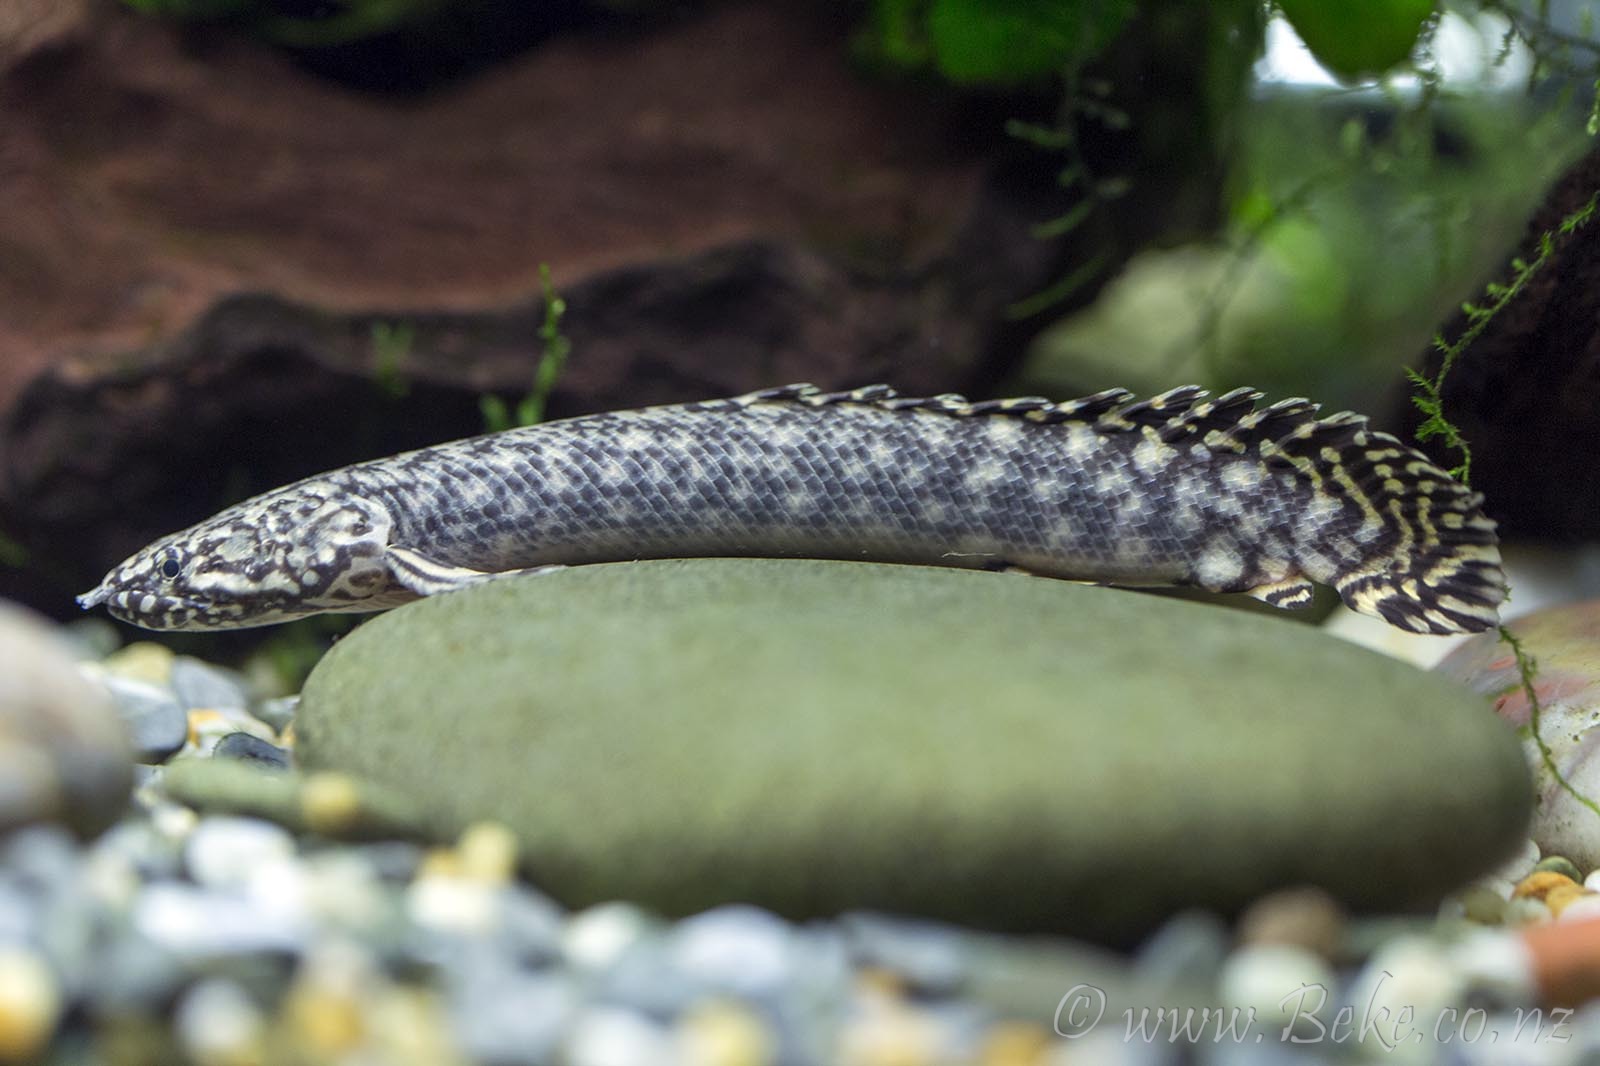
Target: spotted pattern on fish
column 1181, row 488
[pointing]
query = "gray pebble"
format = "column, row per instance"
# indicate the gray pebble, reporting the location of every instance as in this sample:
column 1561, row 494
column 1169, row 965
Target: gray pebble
column 277, row 713
column 253, row 750
column 154, row 855
column 133, row 975
column 157, row 725
column 393, row 860
column 932, row 958
column 19, row 914
column 530, row 925
column 511, row 1017
column 43, row 859
column 647, row 980
column 198, row 684
column 1185, row 952
column 738, row 949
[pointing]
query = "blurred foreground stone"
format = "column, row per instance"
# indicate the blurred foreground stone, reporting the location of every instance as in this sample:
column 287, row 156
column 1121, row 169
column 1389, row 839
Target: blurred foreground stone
column 64, row 756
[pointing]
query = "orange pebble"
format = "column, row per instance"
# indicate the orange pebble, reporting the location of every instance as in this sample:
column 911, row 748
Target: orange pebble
column 1565, row 960
column 1561, row 895
column 1539, row 884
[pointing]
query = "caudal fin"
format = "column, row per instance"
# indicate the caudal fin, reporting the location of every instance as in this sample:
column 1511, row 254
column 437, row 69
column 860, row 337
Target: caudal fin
column 1434, row 566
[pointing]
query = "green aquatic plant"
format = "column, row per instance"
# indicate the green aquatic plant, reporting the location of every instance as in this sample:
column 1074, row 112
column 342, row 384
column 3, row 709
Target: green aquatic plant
column 554, row 350
column 1075, row 174
column 989, row 42
column 1429, row 399
column 1527, row 668
column 1429, row 395
column 391, row 346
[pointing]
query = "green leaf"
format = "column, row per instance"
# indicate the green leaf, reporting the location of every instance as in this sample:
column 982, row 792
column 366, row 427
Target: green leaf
column 1010, row 42
column 1358, row 39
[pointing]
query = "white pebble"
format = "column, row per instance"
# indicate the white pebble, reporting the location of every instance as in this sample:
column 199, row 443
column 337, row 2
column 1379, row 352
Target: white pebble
column 225, row 851
column 453, row 904
column 597, row 937
column 196, row 924
column 1280, row 983
column 1408, row 978
column 1496, row 962
column 611, row 1036
column 218, row 1024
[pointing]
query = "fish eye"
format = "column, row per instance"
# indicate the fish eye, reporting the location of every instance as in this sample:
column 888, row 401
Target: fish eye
column 170, row 567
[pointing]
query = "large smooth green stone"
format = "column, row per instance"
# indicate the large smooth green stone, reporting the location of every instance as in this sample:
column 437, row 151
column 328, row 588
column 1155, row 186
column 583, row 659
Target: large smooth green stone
column 1010, row 752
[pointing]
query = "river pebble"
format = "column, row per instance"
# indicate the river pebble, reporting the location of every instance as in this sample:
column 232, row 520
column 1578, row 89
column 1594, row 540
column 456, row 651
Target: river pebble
column 156, row 723
column 218, row 1023
column 228, row 852
column 198, row 685
column 277, row 712
column 252, row 749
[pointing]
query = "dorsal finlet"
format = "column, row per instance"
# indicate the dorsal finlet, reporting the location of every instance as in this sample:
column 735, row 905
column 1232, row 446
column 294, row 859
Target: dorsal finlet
column 1282, row 432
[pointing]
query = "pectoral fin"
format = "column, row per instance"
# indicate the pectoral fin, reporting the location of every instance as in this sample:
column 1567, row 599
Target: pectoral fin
column 428, row 577
column 1292, row 592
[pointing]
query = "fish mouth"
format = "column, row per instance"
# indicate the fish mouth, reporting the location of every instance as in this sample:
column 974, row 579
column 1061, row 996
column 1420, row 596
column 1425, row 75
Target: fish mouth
column 132, row 604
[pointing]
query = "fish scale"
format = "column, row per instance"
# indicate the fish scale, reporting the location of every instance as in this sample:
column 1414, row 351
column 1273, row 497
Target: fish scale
column 1175, row 489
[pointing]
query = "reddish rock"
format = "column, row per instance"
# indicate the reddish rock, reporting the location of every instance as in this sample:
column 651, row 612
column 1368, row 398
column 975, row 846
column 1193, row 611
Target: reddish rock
column 148, row 172
column 1526, row 393
column 1564, row 644
column 1565, row 961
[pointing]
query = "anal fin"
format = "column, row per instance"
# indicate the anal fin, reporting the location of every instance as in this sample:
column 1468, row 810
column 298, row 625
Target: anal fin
column 1000, row 566
column 427, row 577
column 1292, row 592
